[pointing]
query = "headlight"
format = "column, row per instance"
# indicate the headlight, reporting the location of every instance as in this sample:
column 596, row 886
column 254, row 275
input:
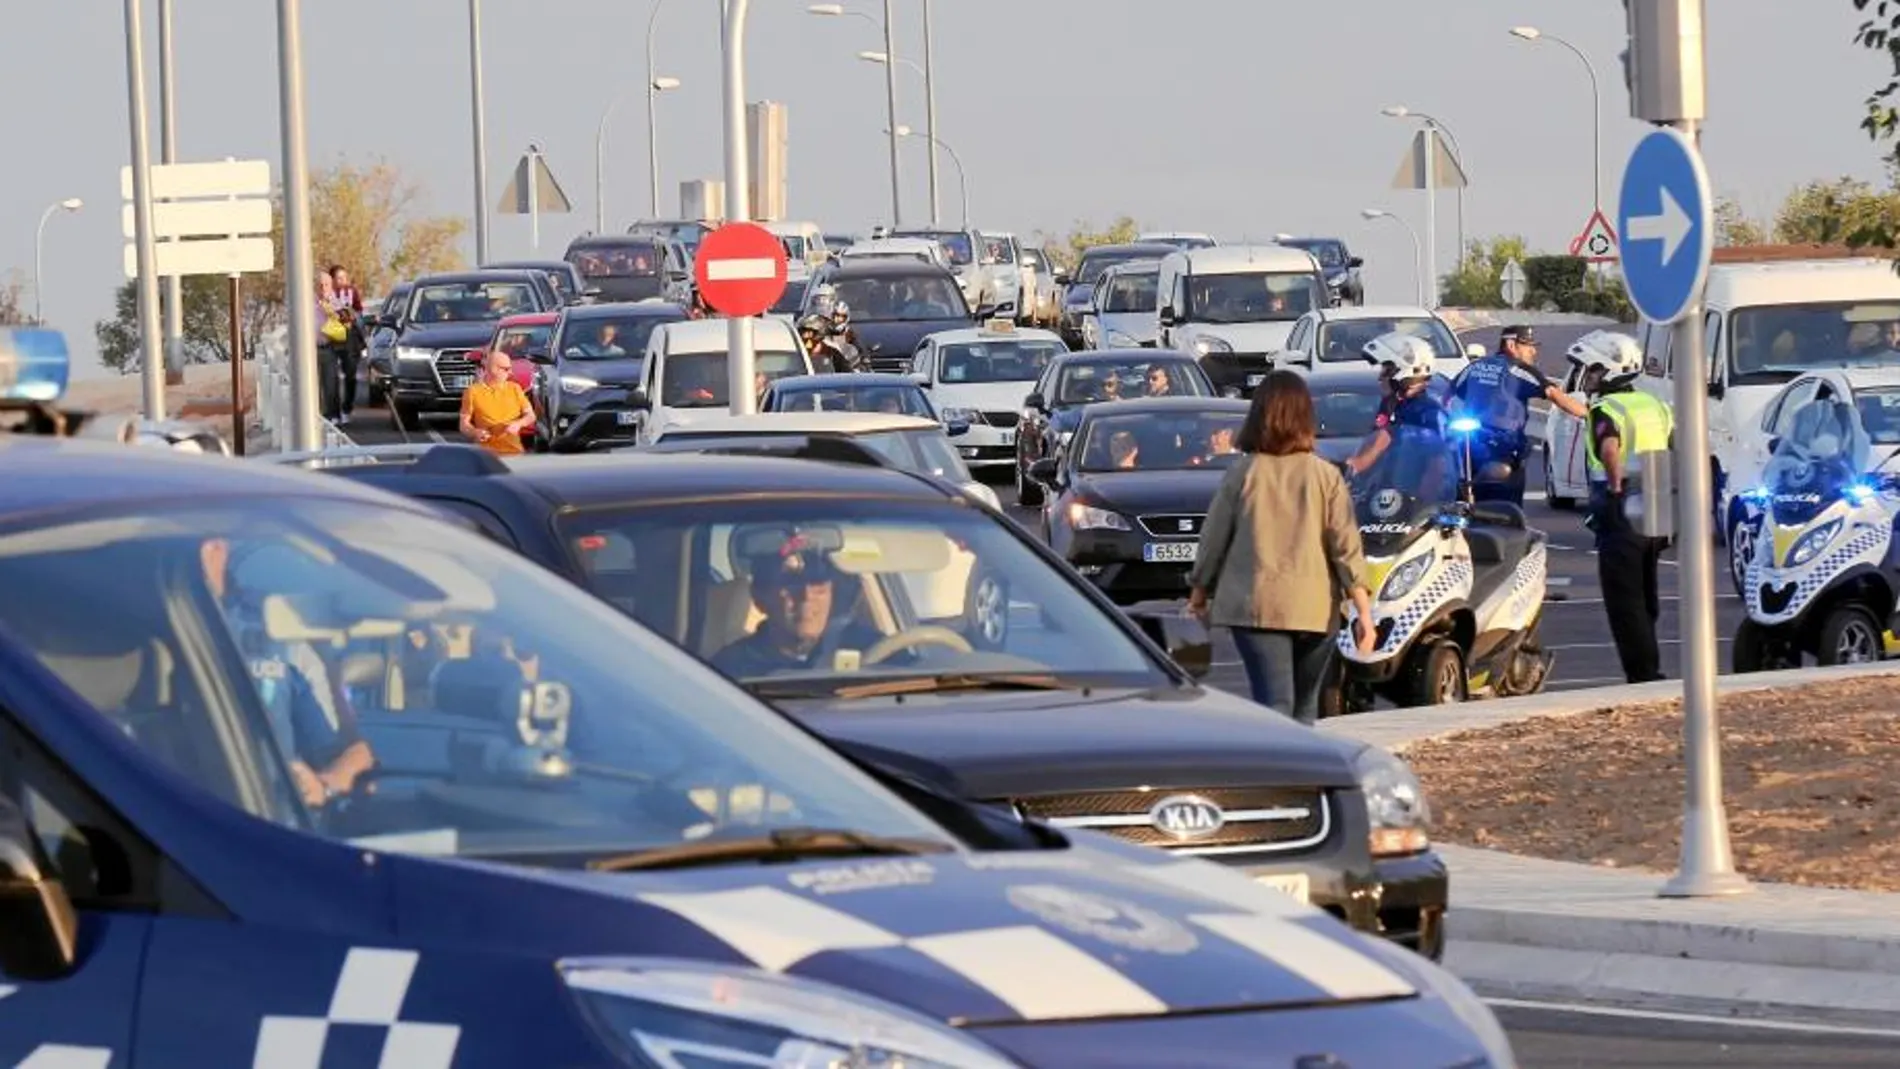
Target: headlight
column 1088, row 517
column 1813, row 543
column 1396, row 810
column 1207, row 345
column 966, row 415
column 1118, row 340
column 578, row 383
column 665, row 1014
column 1406, row 576
column 403, row 352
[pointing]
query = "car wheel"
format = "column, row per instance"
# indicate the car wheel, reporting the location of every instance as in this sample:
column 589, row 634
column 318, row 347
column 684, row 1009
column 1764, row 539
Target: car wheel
column 986, row 609
column 1438, row 675
column 1551, row 497
column 1741, row 549
column 1849, row 635
column 1028, row 491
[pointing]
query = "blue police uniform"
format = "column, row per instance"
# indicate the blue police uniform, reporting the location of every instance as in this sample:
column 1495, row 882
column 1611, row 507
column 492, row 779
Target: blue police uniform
column 302, row 727
column 1497, row 391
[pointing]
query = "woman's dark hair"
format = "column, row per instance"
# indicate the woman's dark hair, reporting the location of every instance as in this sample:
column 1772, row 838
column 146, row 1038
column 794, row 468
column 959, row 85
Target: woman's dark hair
column 1281, row 421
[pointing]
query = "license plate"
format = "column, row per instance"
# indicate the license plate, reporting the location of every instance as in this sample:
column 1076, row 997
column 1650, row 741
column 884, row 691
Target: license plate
column 1294, row 884
column 1170, row 552
column 625, row 419
column 1009, row 437
column 458, row 382
column 969, row 452
column 1255, row 380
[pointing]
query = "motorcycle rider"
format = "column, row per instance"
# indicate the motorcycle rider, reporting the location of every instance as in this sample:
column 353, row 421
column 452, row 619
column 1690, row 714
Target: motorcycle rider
column 1622, row 426
column 1405, row 365
column 826, row 356
column 844, row 338
column 1497, row 391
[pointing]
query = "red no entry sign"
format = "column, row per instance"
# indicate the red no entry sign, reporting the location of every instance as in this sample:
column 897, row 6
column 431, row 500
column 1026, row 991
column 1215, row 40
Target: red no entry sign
column 740, row 269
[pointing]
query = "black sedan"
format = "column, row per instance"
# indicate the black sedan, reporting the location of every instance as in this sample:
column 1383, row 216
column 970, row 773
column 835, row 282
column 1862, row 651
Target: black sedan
column 593, row 360
column 1075, row 380
column 1133, row 487
column 894, row 306
column 1346, row 400
column 943, row 643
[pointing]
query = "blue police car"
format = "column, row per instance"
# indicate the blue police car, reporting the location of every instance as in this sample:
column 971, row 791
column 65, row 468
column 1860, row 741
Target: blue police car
column 553, row 841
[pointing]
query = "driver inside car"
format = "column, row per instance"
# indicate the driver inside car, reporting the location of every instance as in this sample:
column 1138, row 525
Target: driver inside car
column 797, row 591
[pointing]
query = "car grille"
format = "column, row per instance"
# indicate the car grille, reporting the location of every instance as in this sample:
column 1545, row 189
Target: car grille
column 451, row 363
column 1256, row 819
column 1005, row 420
column 890, row 364
column 1173, row 525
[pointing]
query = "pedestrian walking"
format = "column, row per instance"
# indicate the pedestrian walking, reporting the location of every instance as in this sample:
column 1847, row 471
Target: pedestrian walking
column 1624, row 425
column 333, row 336
column 495, row 409
column 1280, row 552
column 347, row 302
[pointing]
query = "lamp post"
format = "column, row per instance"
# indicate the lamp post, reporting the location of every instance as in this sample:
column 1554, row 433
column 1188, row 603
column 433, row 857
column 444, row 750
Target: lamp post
column 654, row 85
column 1532, row 33
column 739, row 340
column 174, row 317
column 70, row 204
column 1418, row 248
column 152, row 355
column 890, row 84
column 963, row 181
column 1400, row 111
column 654, row 88
column 478, row 120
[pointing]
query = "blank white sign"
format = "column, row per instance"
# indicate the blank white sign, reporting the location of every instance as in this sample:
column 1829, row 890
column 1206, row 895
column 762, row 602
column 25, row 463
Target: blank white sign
column 228, row 256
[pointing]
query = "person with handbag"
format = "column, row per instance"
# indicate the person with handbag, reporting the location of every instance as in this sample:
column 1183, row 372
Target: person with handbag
column 347, row 302
column 333, row 338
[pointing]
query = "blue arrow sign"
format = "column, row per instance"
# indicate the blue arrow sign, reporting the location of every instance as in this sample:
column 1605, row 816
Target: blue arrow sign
column 1664, row 217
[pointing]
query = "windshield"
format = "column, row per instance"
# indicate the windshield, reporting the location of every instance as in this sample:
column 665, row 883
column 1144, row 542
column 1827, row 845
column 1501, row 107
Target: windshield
column 900, row 399
column 906, row 297
column 796, row 248
column 1774, row 343
column 471, row 302
column 1086, row 382
column 1158, row 441
column 506, row 713
column 1344, row 341
column 698, row 380
column 956, row 246
column 1094, row 263
column 792, row 299
column 1251, row 298
column 1411, row 482
column 997, row 361
column 1347, row 411
column 1330, row 254
column 1879, row 409
column 927, row 451
column 515, row 341
column 610, row 337
column 997, row 251
column 851, row 591
column 1826, row 447
column 618, row 261
column 1134, row 292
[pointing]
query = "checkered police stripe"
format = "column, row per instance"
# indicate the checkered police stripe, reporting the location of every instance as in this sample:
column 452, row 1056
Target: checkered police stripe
column 59, row 1055
column 369, row 993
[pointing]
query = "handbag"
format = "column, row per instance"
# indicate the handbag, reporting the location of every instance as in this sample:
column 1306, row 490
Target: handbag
column 334, row 331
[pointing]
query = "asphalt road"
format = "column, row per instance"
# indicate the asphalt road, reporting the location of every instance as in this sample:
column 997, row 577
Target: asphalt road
column 1587, row 1038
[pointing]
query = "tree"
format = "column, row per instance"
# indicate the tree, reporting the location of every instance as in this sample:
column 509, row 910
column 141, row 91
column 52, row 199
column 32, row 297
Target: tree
column 1843, row 211
column 1067, row 250
column 1881, row 33
column 13, row 311
column 1734, row 227
column 206, row 335
column 1475, row 282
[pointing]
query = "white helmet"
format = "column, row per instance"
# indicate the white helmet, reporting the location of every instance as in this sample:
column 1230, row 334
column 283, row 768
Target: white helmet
column 1618, row 355
column 1407, row 355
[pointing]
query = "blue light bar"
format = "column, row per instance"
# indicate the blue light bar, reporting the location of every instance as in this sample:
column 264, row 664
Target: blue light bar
column 34, row 364
column 1859, row 493
column 1464, row 425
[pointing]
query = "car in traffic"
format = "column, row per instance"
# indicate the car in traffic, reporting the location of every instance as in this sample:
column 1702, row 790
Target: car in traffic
column 985, row 666
column 918, row 249
column 622, row 267
column 1340, row 335
column 379, row 325
column 1074, row 381
column 1078, row 286
column 1129, row 494
column 593, row 359
column 1041, row 298
column 566, row 279
column 1002, row 259
column 1346, row 404
column 1337, row 262
column 1121, row 312
column 894, row 304
column 1180, row 239
column 685, row 374
column 1232, row 306
column 979, row 377
column 964, row 249
column 856, row 391
column 440, row 332
column 804, row 245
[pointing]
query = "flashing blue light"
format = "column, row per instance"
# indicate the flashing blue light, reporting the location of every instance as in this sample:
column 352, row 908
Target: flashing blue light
column 34, row 364
column 1859, row 493
column 1464, row 425
column 1757, row 494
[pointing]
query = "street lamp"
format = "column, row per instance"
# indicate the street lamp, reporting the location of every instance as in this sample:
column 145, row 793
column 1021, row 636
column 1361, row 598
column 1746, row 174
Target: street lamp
column 70, row 204
column 1532, row 33
column 1400, row 111
column 600, row 152
column 890, row 92
column 963, row 181
column 1418, row 250
column 478, row 120
column 655, row 85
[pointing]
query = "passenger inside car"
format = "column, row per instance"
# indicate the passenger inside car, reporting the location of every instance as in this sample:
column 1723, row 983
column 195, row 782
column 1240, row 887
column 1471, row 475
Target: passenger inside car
column 807, row 626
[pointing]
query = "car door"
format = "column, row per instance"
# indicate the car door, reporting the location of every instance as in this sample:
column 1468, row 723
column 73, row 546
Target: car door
column 1569, row 462
column 652, row 378
column 1300, row 345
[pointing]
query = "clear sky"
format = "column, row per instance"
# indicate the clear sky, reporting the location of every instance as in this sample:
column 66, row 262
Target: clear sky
column 1238, row 117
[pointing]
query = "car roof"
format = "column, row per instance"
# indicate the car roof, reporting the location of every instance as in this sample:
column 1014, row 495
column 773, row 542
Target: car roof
column 1136, row 406
column 529, row 319
column 709, row 335
column 974, row 334
column 1802, row 282
column 624, row 309
column 1224, row 258
column 839, row 379
column 1123, row 356
column 63, row 474
column 598, row 241
column 1347, row 313
column 1159, row 249
column 892, row 246
column 858, row 267
column 583, row 481
column 801, row 423
column 528, row 265
column 510, row 274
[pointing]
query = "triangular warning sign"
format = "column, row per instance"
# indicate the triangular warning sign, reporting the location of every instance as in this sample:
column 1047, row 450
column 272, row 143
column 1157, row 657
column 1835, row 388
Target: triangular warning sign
column 1447, row 173
column 1597, row 242
column 549, row 199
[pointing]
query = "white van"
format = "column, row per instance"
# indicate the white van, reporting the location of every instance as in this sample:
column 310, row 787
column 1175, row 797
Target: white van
column 1765, row 324
column 685, row 372
column 804, row 244
column 1231, row 306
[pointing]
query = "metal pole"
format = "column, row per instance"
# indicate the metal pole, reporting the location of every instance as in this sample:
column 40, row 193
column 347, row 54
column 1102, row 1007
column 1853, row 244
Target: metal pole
column 1707, row 865
column 300, row 291
column 151, row 350
column 963, row 180
column 39, row 269
column 930, row 120
column 600, row 168
column 168, row 153
column 237, row 364
column 1430, row 134
column 479, row 119
column 534, row 201
column 653, row 124
column 1418, row 261
column 890, row 107
column 741, row 360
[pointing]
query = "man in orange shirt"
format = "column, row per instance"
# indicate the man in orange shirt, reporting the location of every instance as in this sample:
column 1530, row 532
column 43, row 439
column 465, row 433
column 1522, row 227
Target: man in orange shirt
column 495, row 410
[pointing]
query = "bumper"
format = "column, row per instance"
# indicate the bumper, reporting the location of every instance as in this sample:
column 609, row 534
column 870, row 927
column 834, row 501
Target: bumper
column 421, row 392
column 984, row 446
column 595, row 428
column 1114, row 562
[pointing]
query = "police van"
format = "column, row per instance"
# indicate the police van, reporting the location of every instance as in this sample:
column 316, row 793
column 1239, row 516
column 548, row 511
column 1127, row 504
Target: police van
column 297, row 774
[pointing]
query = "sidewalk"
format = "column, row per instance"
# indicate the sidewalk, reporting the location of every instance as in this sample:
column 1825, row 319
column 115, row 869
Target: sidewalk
column 1550, row 930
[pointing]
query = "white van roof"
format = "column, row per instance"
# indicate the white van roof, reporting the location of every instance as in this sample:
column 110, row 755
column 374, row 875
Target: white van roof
column 710, row 336
column 1801, row 282
column 1239, row 259
column 791, row 229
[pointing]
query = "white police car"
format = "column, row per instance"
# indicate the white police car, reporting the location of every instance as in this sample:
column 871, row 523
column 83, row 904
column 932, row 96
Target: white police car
column 295, row 774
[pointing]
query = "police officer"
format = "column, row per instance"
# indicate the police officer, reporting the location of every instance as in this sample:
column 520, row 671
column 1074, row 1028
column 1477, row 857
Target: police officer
column 1497, row 391
column 1405, row 364
column 803, row 630
column 1623, row 424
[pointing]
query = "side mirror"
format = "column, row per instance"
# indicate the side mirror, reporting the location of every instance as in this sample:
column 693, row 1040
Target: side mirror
column 983, row 312
column 1045, row 471
column 957, row 428
column 1061, row 278
column 1167, row 315
column 638, row 401
column 1355, row 261
column 39, row 931
column 1185, row 638
column 1476, row 351
column 1036, row 402
column 1716, row 390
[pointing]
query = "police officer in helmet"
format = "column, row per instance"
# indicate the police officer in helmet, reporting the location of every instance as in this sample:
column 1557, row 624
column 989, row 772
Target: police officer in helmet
column 1497, row 391
column 1405, row 365
column 1624, row 424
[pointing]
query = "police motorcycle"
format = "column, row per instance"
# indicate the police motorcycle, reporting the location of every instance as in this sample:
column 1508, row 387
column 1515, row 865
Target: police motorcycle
column 1822, row 567
column 1457, row 586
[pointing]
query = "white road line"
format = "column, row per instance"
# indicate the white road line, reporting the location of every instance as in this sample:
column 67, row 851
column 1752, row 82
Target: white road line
column 1665, row 597
column 1556, row 580
column 1611, row 645
column 740, row 270
column 436, row 436
column 1692, row 1018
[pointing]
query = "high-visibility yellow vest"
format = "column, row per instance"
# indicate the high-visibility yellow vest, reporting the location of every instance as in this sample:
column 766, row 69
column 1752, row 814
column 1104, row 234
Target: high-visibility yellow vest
column 1643, row 423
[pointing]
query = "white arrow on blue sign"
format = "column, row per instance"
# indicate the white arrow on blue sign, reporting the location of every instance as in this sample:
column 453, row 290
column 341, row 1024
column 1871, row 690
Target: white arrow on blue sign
column 1664, row 216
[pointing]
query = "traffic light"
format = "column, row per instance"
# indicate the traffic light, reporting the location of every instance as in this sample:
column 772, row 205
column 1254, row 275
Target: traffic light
column 1663, row 66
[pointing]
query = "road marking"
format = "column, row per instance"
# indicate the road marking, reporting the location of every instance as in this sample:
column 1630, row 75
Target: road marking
column 436, row 436
column 1556, row 580
column 1665, row 597
column 1612, row 645
column 1691, row 1018
column 761, row 267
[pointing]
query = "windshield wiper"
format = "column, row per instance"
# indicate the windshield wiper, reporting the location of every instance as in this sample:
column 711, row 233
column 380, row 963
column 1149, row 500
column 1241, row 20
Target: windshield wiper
column 853, row 687
column 779, row 844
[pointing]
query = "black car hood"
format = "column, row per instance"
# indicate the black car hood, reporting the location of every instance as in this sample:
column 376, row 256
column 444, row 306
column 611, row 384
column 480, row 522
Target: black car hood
column 997, row 746
column 899, row 338
column 1143, row 493
column 472, row 334
column 618, row 371
column 632, row 288
column 1336, row 449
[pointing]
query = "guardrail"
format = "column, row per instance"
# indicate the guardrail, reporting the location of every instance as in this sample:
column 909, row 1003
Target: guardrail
column 274, row 410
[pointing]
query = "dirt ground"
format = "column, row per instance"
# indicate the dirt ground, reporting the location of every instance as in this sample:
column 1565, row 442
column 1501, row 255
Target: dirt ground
column 1809, row 775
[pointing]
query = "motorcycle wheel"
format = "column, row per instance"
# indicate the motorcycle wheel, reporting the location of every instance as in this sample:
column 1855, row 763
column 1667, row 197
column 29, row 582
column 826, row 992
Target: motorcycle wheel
column 1849, row 635
column 1437, row 675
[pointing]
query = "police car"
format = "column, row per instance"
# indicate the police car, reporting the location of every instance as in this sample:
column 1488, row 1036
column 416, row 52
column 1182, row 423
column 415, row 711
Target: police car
column 573, row 847
column 981, row 377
